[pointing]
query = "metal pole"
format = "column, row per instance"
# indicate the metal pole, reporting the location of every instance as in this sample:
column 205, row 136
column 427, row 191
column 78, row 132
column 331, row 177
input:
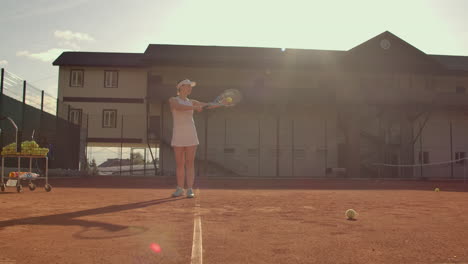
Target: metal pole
column 42, row 113
column 259, row 148
column 132, row 156
column 225, row 141
column 205, row 167
column 2, row 76
column 293, row 157
column 144, row 163
column 277, row 144
column 20, row 132
column 42, row 100
column 421, row 155
column 121, row 145
column 24, row 92
column 451, row 150
column 380, row 146
column 161, row 141
column 87, row 136
column 326, row 147
column 57, row 108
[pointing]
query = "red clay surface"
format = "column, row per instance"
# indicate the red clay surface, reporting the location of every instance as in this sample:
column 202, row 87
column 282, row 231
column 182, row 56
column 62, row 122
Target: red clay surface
column 117, row 219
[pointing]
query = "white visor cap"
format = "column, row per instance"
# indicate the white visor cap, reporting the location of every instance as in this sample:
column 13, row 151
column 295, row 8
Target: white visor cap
column 186, row 81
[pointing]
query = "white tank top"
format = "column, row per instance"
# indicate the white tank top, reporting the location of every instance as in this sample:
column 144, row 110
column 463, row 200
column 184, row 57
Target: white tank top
column 184, row 133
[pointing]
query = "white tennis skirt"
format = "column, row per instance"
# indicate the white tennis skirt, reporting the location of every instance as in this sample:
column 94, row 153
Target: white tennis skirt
column 185, row 137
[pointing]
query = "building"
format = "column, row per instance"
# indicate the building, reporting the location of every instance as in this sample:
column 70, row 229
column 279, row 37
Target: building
column 304, row 112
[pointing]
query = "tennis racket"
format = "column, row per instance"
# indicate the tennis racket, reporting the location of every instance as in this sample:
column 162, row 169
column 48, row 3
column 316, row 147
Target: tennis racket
column 228, row 98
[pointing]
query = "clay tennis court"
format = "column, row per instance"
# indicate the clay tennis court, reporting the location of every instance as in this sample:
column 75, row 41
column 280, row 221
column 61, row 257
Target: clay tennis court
column 117, row 219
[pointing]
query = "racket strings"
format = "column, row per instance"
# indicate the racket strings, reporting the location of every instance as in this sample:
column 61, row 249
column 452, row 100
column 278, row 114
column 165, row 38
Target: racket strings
column 230, row 97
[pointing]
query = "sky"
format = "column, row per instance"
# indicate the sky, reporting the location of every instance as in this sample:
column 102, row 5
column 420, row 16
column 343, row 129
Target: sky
column 33, row 33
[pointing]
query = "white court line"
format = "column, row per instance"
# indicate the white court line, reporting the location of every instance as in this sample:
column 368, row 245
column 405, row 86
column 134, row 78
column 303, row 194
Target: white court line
column 197, row 249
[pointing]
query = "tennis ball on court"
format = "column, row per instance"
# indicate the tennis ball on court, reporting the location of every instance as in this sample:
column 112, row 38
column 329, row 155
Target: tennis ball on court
column 228, row 100
column 350, row 213
column 436, row 189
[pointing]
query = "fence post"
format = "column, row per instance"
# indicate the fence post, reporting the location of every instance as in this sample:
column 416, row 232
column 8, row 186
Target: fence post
column 451, row 149
column 42, row 100
column 293, row 158
column 57, row 108
column 277, row 145
column 23, row 108
column 42, row 114
column 205, row 165
column 2, row 76
column 161, row 142
column 259, row 144
column 121, row 143
column 87, row 135
column 24, row 92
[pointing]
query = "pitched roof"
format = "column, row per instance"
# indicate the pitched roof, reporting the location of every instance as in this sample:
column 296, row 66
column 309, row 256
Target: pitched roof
column 389, row 52
column 274, row 57
column 100, row 59
column 370, row 55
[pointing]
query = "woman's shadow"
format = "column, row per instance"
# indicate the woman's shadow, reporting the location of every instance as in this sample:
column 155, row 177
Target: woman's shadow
column 70, row 219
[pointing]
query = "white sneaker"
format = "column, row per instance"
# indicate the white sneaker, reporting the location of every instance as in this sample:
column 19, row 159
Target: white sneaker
column 190, row 193
column 178, row 192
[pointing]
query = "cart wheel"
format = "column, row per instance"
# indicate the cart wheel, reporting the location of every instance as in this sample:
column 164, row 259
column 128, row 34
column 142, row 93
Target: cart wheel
column 48, row 188
column 19, row 188
column 32, row 186
column 2, row 187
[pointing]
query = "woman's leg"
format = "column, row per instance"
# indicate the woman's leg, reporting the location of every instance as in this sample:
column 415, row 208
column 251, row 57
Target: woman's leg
column 190, row 165
column 180, row 165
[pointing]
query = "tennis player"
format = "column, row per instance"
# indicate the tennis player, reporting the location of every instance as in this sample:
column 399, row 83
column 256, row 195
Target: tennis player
column 184, row 136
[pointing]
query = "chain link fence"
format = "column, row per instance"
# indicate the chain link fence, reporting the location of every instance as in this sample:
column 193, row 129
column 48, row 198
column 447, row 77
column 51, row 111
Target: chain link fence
column 37, row 117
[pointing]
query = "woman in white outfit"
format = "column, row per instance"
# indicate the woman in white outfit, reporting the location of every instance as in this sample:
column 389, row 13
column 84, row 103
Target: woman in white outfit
column 184, row 135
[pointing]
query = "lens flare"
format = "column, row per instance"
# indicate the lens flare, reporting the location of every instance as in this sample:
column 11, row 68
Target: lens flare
column 155, row 247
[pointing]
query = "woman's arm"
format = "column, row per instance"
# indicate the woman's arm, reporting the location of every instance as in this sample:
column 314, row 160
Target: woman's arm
column 197, row 103
column 205, row 104
column 175, row 105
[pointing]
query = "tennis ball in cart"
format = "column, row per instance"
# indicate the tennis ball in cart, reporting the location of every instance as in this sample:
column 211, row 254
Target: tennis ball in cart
column 350, row 214
column 228, row 99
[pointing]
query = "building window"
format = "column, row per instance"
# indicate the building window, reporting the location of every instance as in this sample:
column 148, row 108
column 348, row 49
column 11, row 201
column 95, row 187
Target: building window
column 299, row 153
column 229, row 150
column 75, row 116
column 252, row 152
column 460, row 89
column 111, row 79
column 460, row 156
column 109, row 118
column 423, row 157
column 76, row 78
